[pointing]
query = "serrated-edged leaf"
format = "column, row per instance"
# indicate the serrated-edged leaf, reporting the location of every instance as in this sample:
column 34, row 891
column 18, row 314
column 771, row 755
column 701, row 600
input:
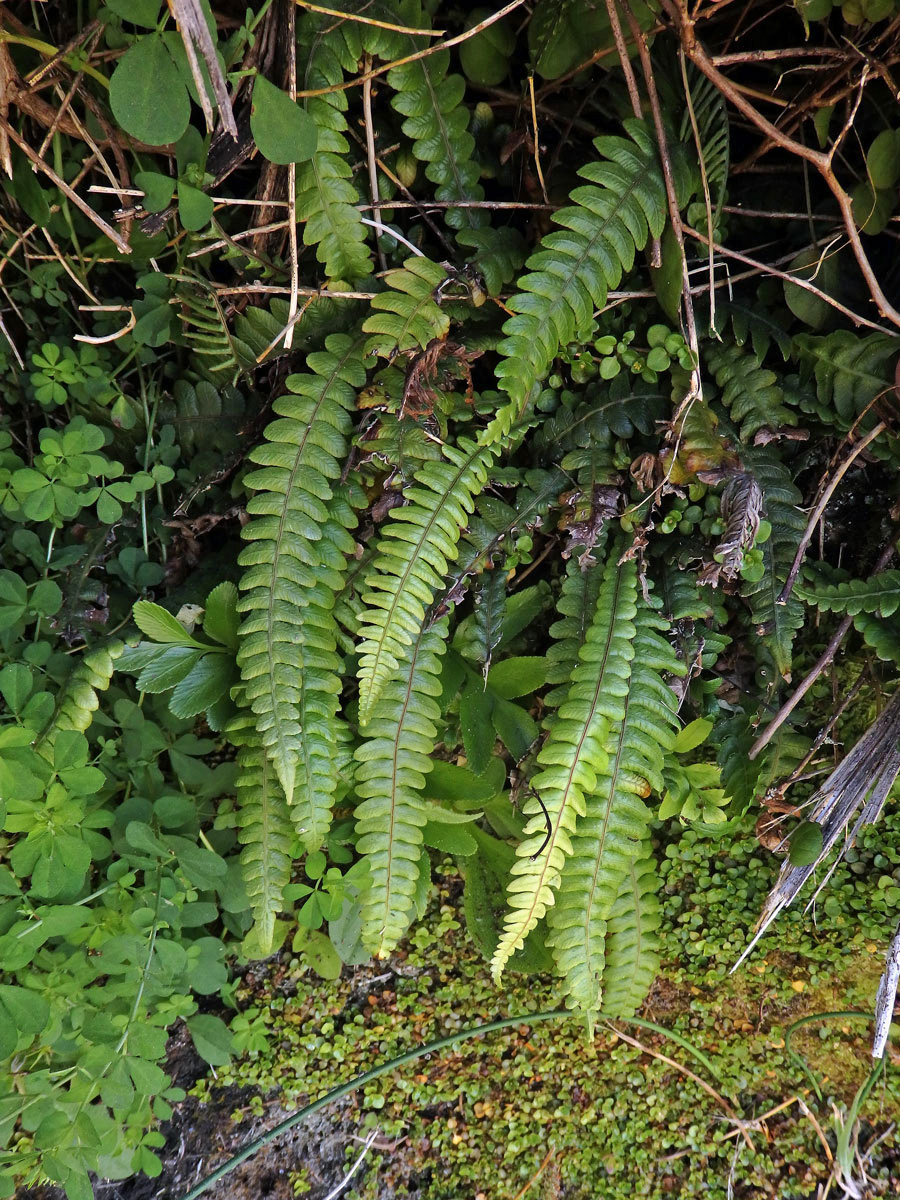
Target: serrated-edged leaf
column 206, row 682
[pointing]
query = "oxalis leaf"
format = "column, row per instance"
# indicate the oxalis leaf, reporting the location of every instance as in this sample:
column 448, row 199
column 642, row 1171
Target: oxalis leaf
column 146, row 93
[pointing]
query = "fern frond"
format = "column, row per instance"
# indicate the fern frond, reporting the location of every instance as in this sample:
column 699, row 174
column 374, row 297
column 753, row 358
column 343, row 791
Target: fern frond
column 391, row 768
column 632, row 939
column 77, row 700
column 573, row 758
column 849, row 372
column 206, row 329
column 407, row 316
column 775, row 624
column 576, row 605
column 295, row 565
column 264, row 829
column 710, row 114
column 437, row 123
column 614, row 215
column 749, row 391
column 880, row 594
column 642, row 711
column 326, row 195
column 419, row 542
column 498, row 254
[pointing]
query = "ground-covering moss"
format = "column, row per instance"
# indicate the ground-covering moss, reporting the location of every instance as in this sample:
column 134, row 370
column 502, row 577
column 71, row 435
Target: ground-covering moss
column 609, row 1118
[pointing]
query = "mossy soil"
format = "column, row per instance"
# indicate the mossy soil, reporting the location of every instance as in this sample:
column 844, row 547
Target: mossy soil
column 539, row 1110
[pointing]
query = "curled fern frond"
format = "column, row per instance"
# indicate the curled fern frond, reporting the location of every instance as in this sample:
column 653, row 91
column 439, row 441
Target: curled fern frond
column 749, row 390
column 420, row 541
column 632, row 939
column 642, row 711
column 614, row 215
column 264, row 829
column 392, row 764
column 573, row 759
column 295, row 565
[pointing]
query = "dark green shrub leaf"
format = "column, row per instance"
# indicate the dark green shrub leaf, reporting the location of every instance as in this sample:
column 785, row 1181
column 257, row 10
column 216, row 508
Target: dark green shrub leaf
column 212, row 1039
column 517, row 676
column 806, row 844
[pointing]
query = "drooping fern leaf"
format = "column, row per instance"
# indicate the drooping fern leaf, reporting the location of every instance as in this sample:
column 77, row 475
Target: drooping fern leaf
column 264, row 829
column 632, row 939
column 295, row 566
column 326, row 195
column 573, row 759
column 206, row 329
column 613, row 216
column 576, row 606
column 419, row 542
column 77, row 700
column 641, row 709
column 879, row 594
column 749, row 390
column 392, row 764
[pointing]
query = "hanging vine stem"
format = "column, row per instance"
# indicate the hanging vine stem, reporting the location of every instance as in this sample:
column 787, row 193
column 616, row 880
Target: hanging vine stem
column 685, row 28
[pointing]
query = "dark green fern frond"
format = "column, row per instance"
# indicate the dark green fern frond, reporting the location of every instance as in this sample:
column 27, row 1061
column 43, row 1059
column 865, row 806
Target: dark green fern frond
column 419, row 542
column 775, row 624
column 749, row 391
column 264, row 830
column 632, row 939
column 879, row 594
column 295, row 565
column 614, row 215
column 849, row 373
column 642, row 711
column 498, row 254
column 206, row 329
column 574, row 759
column 326, row 195
column 437, row 123
column 407, row 316
column 392, row 764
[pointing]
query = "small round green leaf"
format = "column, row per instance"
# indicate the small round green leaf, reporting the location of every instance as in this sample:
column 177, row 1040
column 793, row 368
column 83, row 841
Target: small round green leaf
column 283, row 131
column 195, row 208
column 806, row 844
column 146, row 93
column 157, row 190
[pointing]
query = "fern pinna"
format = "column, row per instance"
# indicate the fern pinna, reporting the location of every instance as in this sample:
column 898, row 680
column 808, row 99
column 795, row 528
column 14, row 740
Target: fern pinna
column 295, row 565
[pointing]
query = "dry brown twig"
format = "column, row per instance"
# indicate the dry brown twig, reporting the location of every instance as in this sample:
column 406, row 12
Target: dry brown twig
column 684, row 26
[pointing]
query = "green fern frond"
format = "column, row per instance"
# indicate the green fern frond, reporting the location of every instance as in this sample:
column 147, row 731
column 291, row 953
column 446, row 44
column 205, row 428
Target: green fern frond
column 295, row 565
column 573, row 759
column 407, row 316
column 711, row 117
column 327, row 198
column 775, row 624
column 419, row 542
column 849, row 372
column 880, row 594
column 576, row 605
column 642, row 711
column 753, row 325
column 77, row 700
column 256, row 329
column 392, row 764
column 632, row 939
column 498, row 254
column 614, row 215
column 749, row 391
column 206, row 329
column 437, row 123
column 264, row 829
